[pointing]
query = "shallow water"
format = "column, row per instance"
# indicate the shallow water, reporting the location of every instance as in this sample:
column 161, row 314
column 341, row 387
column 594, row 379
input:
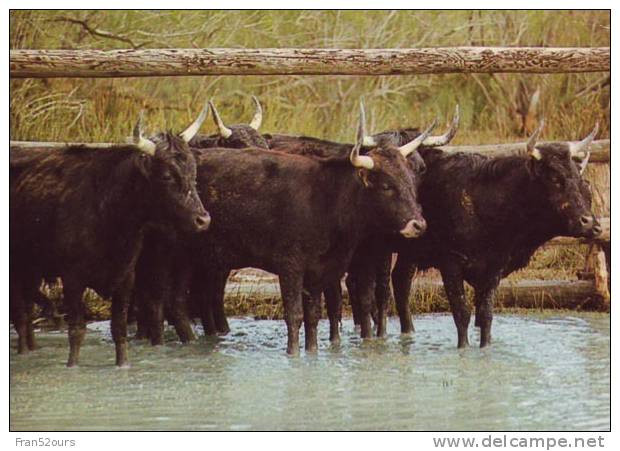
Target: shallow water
column 543, row 372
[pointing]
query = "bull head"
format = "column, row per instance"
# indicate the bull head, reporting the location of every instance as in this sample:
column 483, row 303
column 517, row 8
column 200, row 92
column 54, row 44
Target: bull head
column 357, row 160
column 408, row 148
column 143, row 144
column 191, row 131
column 579, row 150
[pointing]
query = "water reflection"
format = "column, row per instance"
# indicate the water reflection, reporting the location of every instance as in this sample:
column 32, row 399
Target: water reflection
column 542, row 372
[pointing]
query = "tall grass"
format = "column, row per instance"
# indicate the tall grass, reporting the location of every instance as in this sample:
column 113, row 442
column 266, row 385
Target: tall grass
column 325, row 106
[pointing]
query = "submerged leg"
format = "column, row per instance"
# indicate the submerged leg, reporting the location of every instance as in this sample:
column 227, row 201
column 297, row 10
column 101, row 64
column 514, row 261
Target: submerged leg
column 219, row 314
column 452, row 276
column 312, row 314
column 177, row 307
column 401, row 281
column 19, row 315
column 382, row 291
column 120, row 302
column 484, row 309
column 73, row 291
column 333, row 300
column 291, row 288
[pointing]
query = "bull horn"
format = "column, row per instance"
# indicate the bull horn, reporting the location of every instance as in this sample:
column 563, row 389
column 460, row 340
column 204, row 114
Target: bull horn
column 367, row 141
column 442, row 140
column 413, row 145
column 143, row 144
column 257, row 120
column 357, row 160
column 191, row 131
column 224, row 131
column 532, row 151
column 579, row 149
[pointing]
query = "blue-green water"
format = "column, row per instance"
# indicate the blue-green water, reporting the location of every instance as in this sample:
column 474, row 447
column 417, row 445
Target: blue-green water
column 543, row 372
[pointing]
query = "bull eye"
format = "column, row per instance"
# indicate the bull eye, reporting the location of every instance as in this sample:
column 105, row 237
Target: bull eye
column 166, row 176
column 386, row 187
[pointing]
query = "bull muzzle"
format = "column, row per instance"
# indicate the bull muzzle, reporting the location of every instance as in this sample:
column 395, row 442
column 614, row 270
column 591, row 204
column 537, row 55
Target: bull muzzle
column 590, row 225
column 414, row 228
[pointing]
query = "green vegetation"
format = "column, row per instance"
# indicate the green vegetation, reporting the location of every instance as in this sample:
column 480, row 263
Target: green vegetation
column 494, row 107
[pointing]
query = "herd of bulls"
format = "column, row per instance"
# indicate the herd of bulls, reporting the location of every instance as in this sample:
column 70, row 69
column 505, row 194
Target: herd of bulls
column 159, row 224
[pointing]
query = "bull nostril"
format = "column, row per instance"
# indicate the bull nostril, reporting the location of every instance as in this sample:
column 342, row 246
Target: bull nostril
column 419, row 225
column 586, row 220
column 597, row 230
column 203, row 221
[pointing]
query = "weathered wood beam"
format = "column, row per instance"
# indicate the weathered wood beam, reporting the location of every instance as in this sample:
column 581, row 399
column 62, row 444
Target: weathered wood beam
column 600, row 148
column 563, row 294
column 221, row 61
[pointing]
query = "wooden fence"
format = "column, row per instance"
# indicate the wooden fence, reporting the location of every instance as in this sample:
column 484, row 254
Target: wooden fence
column 177, row 62
column 198, row 62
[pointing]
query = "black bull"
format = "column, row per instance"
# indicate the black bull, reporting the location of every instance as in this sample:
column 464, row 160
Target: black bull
column 81, row 213
column 301, row 218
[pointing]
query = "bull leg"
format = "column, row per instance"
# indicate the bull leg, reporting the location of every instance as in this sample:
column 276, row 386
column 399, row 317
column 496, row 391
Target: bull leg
column 353, row 298
column 201, row 284
column 31, row 294
column 365, row 290
column 484, row 309
column 219, row 314
column 401, row 281
column 177, row 312
column 291, row 288
column 156, row 320
column 19, row 314
column 73, row 291
column 333, row 300
column 312, row 313
column 182, row 324
column 120, row 302
column 382, row 292
column 453, row 284
column 142, row 318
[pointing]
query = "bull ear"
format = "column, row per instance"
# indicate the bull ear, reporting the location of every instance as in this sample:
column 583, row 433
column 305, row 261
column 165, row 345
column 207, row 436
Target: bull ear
column 363, row 174
column 191, row 131
column 532, row 151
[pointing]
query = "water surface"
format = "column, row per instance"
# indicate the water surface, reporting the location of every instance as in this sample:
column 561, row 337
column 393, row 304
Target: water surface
column 543, row 372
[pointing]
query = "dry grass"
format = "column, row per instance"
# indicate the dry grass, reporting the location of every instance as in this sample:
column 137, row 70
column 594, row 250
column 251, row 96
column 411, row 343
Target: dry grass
column 105, row 109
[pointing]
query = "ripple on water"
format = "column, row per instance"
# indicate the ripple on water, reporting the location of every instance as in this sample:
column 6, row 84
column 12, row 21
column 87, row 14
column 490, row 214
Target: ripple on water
column 543, row 372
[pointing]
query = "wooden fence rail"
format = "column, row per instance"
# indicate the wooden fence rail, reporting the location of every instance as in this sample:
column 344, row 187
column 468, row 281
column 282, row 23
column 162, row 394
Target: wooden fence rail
column 221, row 61
column 600, row 148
